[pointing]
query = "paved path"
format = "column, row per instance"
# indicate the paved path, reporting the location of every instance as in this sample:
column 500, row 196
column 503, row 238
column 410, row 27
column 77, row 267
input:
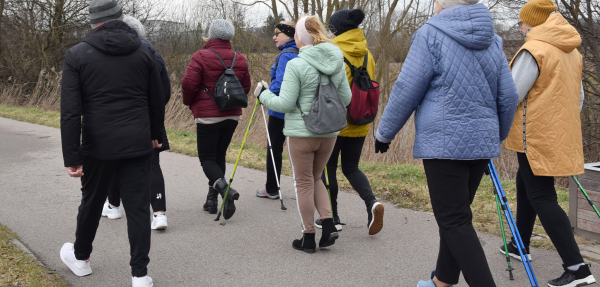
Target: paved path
column 39, row 202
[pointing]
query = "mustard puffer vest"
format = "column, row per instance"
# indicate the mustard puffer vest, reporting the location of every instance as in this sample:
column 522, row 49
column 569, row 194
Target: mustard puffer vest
column 547, row 125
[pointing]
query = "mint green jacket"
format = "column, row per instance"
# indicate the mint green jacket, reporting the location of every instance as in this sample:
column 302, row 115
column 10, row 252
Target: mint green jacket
column 300, row 82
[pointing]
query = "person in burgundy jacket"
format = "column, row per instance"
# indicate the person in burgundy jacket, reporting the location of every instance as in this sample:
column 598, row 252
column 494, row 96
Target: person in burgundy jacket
column 215, row 128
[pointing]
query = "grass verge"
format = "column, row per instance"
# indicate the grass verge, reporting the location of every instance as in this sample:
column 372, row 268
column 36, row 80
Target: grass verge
column 404, row 185
column 18, row 269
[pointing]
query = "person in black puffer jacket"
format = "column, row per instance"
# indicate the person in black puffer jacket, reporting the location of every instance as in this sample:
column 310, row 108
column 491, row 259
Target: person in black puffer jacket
column 112, row 118
column 158, row 202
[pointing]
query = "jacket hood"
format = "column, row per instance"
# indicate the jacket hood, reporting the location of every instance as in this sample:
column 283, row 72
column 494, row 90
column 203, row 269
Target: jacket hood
column 114, row 38
column 291, row 44
column 352, row 42
column 558, row 32
column 472, row 26
column 325, row 57
column 218, row 44
column 146, row 42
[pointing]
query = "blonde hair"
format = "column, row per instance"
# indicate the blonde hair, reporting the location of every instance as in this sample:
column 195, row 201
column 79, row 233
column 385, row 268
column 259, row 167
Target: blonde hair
column 316, row 29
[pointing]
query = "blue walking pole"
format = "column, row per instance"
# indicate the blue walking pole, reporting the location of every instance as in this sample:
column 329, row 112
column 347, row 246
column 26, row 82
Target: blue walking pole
column 511, row 223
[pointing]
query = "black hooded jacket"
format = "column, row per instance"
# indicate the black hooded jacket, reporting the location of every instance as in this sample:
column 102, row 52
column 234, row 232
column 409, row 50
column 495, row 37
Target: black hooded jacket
column 112, row 102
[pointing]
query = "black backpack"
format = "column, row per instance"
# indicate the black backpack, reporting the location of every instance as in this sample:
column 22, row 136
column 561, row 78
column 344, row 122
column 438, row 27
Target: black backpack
column 228, row 91
column 291, row 50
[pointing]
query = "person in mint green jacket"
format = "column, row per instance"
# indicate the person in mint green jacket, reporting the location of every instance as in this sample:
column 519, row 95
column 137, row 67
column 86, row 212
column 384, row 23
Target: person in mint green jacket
column 309, row 152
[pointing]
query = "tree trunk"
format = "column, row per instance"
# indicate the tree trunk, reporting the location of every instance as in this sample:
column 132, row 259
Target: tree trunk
column 1, row 12
column 274, row 9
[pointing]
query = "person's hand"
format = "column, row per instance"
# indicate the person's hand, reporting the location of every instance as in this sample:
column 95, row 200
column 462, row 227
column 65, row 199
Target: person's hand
column 381, row 147
column 155, row 144
column 75, row 171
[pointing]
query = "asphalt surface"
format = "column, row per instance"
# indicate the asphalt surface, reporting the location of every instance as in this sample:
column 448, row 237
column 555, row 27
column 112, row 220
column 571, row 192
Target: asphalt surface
column 39, row 202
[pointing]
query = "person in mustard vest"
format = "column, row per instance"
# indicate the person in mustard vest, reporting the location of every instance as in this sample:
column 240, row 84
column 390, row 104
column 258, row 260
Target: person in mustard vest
column 546, row 131
column 343, row 24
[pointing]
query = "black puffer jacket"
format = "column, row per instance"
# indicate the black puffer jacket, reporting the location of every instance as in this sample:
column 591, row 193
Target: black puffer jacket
column 112, row 81
column 166, row 81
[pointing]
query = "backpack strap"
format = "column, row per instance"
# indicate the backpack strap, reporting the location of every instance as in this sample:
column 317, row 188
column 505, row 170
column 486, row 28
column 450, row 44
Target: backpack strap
column 291, row 50
column 233, row 61
column 366, row 61
column 352, row 67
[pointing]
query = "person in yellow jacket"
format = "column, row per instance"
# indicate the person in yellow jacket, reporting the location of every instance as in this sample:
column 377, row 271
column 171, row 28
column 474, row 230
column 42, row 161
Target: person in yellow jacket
column 343, row 24
column 546, row 132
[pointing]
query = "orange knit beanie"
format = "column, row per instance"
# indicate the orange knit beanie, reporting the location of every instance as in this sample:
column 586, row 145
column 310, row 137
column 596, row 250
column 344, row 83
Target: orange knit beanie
column 536, row 12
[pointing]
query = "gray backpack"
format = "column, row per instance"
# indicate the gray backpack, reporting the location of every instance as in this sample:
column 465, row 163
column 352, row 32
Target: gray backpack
column 327, row 112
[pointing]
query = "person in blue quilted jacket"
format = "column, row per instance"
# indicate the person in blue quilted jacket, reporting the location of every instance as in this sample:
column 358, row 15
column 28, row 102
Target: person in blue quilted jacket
column 284, row 40
column 457, row 79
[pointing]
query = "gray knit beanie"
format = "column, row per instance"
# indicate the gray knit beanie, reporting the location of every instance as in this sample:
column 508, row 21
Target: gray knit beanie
column 448, row 3
column 102, row 11
column 221, row 29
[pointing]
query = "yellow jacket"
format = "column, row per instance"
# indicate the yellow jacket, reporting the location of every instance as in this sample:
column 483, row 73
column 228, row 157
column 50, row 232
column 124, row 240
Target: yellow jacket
column 354, row 46
column 547, row 125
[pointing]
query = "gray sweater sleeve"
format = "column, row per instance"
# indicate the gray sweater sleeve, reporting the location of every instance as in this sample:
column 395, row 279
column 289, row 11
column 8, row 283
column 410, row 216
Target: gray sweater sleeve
column 525, row 72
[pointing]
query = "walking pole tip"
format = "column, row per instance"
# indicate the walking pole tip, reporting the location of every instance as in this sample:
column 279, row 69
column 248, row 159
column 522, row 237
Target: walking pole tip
column 283, row 206
column 218, row 216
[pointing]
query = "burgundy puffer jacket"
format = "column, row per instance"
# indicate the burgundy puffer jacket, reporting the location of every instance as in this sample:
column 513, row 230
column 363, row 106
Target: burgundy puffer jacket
column 204, row 71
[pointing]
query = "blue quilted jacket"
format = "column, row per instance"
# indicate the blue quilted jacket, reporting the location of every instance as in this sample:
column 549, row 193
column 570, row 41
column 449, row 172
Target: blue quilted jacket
column 457, row 79
column 277, row 76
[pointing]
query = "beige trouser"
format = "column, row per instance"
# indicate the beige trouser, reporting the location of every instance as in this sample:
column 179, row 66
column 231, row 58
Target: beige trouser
column 308, row 157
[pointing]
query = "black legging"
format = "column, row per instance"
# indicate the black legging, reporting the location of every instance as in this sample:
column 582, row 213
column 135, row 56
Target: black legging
column 350, row 149
column 277, row 140
column 157, row 187
column 213, row 141
column 536, row 195
column 452, row 187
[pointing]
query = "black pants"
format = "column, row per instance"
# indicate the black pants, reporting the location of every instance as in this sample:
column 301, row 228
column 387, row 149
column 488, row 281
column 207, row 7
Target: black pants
column 350, row 149
column 213, row 141
column 277, row 141
column 536, row 196
column 452, row 186
column 134, row 182
column 157, row 187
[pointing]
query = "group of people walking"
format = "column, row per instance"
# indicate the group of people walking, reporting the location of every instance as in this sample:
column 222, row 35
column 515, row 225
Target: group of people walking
column 455, row 79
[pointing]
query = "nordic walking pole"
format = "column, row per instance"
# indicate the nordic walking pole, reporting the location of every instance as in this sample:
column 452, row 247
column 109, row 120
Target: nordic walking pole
column 586, row 195
column 272, row 158
column 328, row 191
column 237, row 161
column 509, row 269
column 511, row 223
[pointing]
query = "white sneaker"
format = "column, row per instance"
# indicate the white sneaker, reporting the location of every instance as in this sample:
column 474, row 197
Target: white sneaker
column 79, row 267
column 159, row 222
column 111, row 213
column 141, row 281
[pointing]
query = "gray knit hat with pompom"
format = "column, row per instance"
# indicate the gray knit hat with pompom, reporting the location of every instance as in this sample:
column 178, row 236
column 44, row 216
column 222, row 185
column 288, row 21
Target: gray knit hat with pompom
column 448, row 3
column 221, row 29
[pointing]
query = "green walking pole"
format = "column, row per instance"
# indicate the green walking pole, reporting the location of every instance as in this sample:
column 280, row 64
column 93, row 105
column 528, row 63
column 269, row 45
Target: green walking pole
column 237, row 161
column 509, row 269
column 586, row 195
column 328, row 191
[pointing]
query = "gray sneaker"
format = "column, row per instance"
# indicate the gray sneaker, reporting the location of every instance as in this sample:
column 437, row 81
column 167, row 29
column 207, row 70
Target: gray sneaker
column 262, row 193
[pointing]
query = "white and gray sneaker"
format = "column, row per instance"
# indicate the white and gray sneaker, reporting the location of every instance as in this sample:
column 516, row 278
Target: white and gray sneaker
column 336, row 220
column 145, row 281
column 262, row 193
column 79, row 267
column 581, row 277
column 159, row 222
column 111, row 212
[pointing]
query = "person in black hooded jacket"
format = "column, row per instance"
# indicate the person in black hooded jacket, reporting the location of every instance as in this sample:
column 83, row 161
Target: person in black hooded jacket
column 112, row 118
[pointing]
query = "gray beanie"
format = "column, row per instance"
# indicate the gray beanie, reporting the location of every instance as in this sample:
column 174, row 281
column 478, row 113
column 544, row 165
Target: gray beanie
column 448, row 3
column 221, row 29
column 102, row 11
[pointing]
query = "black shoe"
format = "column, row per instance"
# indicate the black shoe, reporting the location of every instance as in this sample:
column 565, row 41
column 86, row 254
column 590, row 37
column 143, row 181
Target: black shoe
column 212, row 203
column 581, row 277
column 330, row 233
column 375, row 220
column 228, row 207
column 513, row 251
column 306, row 244
column 336, row 220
